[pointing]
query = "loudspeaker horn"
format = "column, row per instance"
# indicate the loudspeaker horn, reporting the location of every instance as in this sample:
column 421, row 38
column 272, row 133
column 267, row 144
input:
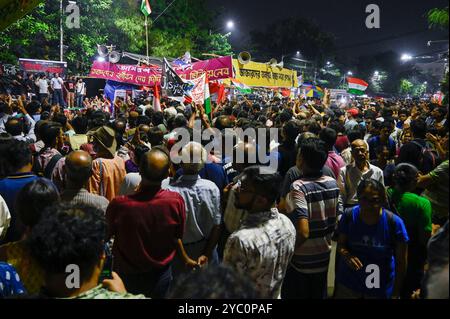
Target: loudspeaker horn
column 114, row 57
column 244, row 57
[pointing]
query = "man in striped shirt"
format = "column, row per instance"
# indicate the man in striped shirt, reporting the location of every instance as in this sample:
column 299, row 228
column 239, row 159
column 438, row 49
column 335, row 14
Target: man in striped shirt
column 312, row 205
column 264, row 243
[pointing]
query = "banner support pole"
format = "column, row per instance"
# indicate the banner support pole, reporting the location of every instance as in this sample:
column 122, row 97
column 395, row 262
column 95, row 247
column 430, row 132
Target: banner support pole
column 146, row 34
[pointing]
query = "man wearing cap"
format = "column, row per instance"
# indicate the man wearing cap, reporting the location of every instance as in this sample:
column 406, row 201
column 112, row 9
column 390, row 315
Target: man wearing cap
column 108, row 169
column 350, row 123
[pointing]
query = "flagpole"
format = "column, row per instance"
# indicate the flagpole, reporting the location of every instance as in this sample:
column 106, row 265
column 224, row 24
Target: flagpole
column 146, row 33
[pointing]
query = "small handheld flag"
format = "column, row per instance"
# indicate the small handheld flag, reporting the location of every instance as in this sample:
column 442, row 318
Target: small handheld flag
column 145, row 8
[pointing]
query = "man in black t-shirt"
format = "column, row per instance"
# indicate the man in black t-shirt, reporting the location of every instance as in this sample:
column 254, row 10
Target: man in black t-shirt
column 18, row 86
column 70, row 90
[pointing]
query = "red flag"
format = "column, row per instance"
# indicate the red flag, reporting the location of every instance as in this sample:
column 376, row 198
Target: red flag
column 213, row 88
column 221, row 94
column 286, row 92
column 156, row 99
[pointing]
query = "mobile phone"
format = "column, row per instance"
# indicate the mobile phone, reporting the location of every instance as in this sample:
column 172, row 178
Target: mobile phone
column 109, row 260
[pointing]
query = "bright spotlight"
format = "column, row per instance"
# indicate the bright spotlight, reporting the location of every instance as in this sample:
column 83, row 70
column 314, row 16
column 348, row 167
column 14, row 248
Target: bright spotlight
column 230, row 25
column 101, row 59
column 406, row 57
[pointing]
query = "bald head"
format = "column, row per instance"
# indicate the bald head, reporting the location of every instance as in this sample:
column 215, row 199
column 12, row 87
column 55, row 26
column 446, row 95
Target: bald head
column 120, row 125
column 194, row 157
column 13, row 126
column 223, row 122
column 360, row 151
column 78, row 167
column 244, row 156
column 132, row 119
column 144, row 128
column 154, row 166
column 359, row 143
column 134, row 114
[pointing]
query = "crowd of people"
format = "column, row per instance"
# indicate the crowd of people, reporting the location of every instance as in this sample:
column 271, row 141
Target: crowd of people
column 368, row 179
column 48, row 88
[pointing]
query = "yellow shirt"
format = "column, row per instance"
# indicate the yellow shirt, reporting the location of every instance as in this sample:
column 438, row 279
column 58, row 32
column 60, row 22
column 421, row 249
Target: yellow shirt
column 31, row 274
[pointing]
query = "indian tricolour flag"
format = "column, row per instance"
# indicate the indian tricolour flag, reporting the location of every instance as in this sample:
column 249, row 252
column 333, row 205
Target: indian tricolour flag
column 145, row 7
column 244, row 89
column 356, row 86
column 207, row 102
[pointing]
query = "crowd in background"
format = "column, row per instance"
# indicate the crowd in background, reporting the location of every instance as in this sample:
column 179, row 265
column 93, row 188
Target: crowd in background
column 47, row 88
column 370, row 176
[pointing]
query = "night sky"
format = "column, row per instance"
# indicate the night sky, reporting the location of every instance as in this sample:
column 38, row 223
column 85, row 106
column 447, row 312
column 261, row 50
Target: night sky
column 344, row 18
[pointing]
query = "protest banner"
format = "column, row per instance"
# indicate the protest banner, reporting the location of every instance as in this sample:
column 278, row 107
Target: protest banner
column 198, row 92
column 216, row 69
column 43, row 66
column 256, row 74
column 172, row 85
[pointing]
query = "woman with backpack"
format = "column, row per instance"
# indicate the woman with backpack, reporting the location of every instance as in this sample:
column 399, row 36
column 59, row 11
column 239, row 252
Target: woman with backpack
column 372, row 246
column 415, row 212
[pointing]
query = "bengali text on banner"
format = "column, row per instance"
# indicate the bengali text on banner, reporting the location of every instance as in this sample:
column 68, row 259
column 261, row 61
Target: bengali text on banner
column 216, row 69
column 256, row 74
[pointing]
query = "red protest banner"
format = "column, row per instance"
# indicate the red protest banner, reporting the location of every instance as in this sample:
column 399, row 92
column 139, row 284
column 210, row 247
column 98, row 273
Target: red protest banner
column 216, row 69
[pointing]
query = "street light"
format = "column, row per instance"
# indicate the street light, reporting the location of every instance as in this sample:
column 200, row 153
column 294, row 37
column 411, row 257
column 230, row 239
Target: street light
column 376, row 73
column 349, row 73
column 406, row 57
column 294, row 55
column 229, row 26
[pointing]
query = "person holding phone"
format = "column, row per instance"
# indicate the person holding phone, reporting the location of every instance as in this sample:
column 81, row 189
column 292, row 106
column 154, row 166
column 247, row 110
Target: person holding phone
column 86, row 227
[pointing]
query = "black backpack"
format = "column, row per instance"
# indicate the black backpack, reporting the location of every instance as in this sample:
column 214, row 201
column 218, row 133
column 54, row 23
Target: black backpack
column 428, row 158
